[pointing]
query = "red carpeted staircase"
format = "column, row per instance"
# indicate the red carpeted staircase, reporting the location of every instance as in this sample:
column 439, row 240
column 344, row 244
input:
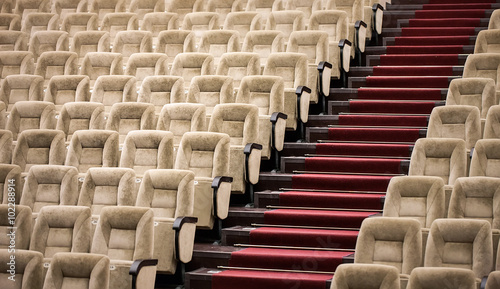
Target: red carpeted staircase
column 312, row 222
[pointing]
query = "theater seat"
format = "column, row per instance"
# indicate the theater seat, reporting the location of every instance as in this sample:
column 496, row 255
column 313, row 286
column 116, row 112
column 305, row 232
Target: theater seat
column 237, row 65
column 189, row 65
column 13, row 41
column 130, row 42
column 162, row 89
column 358, row 276
column 117, row 22
column 10, row 176
column 129, row 116
column 29, row 265
column 264, row 42
column 10, row 21
column 199, row 22
column 76, row 116
column 97, row 64
column 183, row 7
column 487, row 41
column 224, row 7
column 21, row 87
column 113, row 89
column 180, row 118
column 35, row 21
column 141, row 8
column 86, row 42
column 23, row 225
column 441, row 278
column 29, row 115
column 485, row 159
column 53, row 63
column 483, row 65
column 78, row 22
column 63, row 89
column 243, row 22
column 492, row 123
column 218, row 42
column 142, row 65
column 16, row 62
column 286, row 22
column 173, row 42
column 210, row 90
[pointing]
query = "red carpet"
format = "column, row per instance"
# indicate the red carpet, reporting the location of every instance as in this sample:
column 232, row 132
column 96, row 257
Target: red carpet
column 325, row 261
column 412, row 71
column 419, row 59
column 456, row 6
column 361, row 149
column 437, row 31
column 438, row 49
column 391, row 107
column 445, row 22
column 354, row 165
column 383, row 120
column 373, row 134
column 465, row 13
column 316, row 218
column 399, row 94
column 331, row 200
column 341, row 182
column 408, row 81
column 243, row 279
column 313, row 238
column 436, row 40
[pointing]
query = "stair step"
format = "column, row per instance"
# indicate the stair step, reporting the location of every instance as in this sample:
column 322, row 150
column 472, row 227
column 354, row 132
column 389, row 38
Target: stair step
column 314, row 134
column 380, row 107
column 345, row 94
column 401, row 81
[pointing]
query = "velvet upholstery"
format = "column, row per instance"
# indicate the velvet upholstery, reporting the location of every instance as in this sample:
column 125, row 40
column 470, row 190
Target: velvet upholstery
column 27, row 115
column 52, row 63
column 156, row 22
column 104, row 7
column 141, row 8
column 10, row 21
column 16, row 62
column 183, row 7
column 85, row 42
column 142, row 65
column 10, row 176
column 211, row 90
column 162, row 89
column 76, row 116
column 29, row 270
column 442, row 278
column 23, row 226
column 264, row 43
column 218, row 42
column 224, row 7
column 189, row 65
column 97, row 64
column 361, row 276
column 492, row 124
column 487, row 42
column 243, row 22
column 39, row 21
column 67, row 88
column 13, row 41
column 198, row 22
column 485, row 159
column 21, row 87
column 173, row 42
column 78, row 22
column 117, row 22
column 286, row 22
column 180, row 118
column 114, row 89
column 479, row 92
column 237, row 65
column 131, row 41
column 483, row 65
column 42, row 41
column 128, row 116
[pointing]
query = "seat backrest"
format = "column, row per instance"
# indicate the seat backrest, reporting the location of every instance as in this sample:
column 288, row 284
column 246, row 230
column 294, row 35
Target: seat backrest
column 170, row 193
column 103, row 187
column 211, row 90
column 354, row 8
column 314, row 44
column 29, row 269
column 264, row 8
column 26, row 7
column 224, row 7
column 142, row 65
column 131, row 41
column 390, row 241
column 492, row 125
column 292, row 67
column 204, row 153
column 6, row 147
column 218, row 42
column 124, row 233
column 21, row 219
column 306, row 6
column 62, row 229
column 16, row 62
column 10, row 183
column 39, row 147
column 189, row 65
column 141, row 8
column 97, row 64
column 475, row 198
column 334, row 22
column 85, row 42
column 183, row 7
column 39, row 21
column 198, row 22
column 487, row 42
column 67, row 88
column 105, row 7
column 376, row 276
column 460, row 243
column 441, row 278
column 243, row 22
column 455, row 121
column 485, row 159
column 264, row 43
column 21, row 87
column 42, row 41
column 286, row 22
column 10, row 21
column 77, row 22
column 240, row 121
column 162, row 89
column 113, row 89
column 478, row 92
column 440, row 157
column 238, row 65
column 173, row 42
column 483, row 65
column 157, row 22
column 147, row 150
column 93, row 148
column 76, row 116
column 13, row 40
column 118, row 22
column 52, row 63
column 266, row 91
column 180, row 118
column 128, row 116
column 494, row 20
column 50, row 185
column 83, row 271
column 26, row 115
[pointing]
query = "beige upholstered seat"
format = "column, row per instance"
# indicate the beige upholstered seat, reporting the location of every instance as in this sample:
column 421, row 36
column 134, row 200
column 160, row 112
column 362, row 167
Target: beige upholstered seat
column 492, row 124
column 27, row 7
column 112, row 89
column 264, row 43
column 455, row 121
column 199, row 22
column 267, row 92
column 21, row 87
column 34, row 22
column 96, row 64
column 264, row 8
column 80, row 116
column 441, row 157
column 189, row 65
column 180, row 118
column 160, row 21
column 314, row 44
column 207, row 155
column 461, row 243
column 373, row 17
column 486, row 159
column 22, row 222
column 16, row 62
column 10, row 21
column 335, row 23
column 183, row 7
column 42, row 41
column 142, row 65
column 360, row 276
column 493, row 280
column 78, row 22
column 293, row 68
column 126, row 235
column 3, row 115
column 483, row 65
column 83, row 271
column 218, row 42
column 65, row 7
column 390, row 241
column 93, row 148
column 11, row 40
column 130, row 42
column 29, row 269
column 494, row 20
column 53, row 63
column 170, row 193
column 5, row 146
column 211, row 90
column 162, row 89
column 86, row 42
column 103, row 187
column 148, row 150
column 224, row 7
column 28, row 115
column 238, row 65
column 117, row 22
column 10, row 176
column 306, row 6
column 441, row 278
column 241, row 123
column 487, row 41
column 104, row 7
column 141, row 8
column 39, row 147
column 67, row 88
column 243, row 22
column 128, row 116
column 286, row 22
column 50, row 185
column 173, row 42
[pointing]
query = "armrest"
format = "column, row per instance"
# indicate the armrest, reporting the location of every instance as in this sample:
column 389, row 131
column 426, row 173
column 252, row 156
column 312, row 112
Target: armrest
column 185, row 228
column 325, row 76
column 378, row 15
column 345, row 54
column 278, row 121
column 221, row 195
column 360, row 36
column 143, row 272
column 253, row 153
column 303, row 98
